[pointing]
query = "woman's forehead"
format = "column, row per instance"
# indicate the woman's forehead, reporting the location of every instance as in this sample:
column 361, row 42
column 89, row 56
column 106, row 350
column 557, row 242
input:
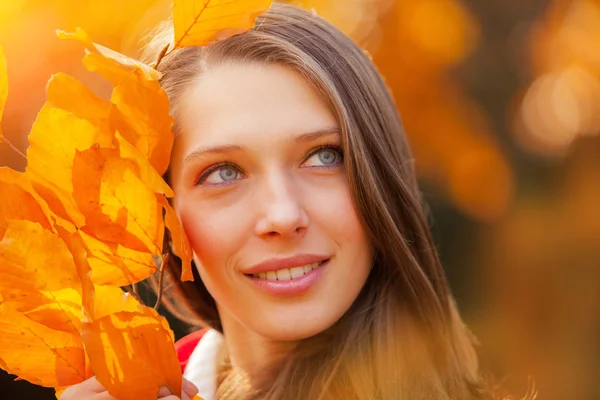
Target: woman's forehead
column 237, row 102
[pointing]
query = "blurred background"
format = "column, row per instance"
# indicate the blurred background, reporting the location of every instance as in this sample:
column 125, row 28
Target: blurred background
column 501, row 101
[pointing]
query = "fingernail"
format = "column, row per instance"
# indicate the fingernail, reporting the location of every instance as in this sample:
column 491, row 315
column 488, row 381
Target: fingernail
column 189, row 388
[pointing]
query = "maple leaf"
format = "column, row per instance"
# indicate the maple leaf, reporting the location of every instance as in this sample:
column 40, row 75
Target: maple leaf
column 133, row 354
column 3, row 86
column 200, row 22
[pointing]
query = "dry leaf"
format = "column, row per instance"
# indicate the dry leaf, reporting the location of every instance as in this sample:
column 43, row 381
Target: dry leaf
column 3, row 86
column 108, row 63
column 132, row 354
column 37, row 353
column 141, row 115
column 200, row 22
column 181, row 245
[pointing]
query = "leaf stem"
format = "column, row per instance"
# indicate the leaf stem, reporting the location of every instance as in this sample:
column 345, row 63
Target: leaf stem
column 165, row 260
column 13, row 147
column 161, row 55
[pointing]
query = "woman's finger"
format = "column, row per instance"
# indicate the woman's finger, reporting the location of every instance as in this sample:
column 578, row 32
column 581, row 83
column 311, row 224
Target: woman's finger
column 189, row 388
column 164, row 392
column 90, row 385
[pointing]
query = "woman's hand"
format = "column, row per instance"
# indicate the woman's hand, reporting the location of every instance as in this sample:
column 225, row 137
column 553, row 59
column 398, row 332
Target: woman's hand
column 91, row 389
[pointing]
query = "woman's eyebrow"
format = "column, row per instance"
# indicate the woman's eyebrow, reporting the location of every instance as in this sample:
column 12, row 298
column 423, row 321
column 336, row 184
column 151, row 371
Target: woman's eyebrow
column 229, row 148
column 310, row 136
column 222, row 149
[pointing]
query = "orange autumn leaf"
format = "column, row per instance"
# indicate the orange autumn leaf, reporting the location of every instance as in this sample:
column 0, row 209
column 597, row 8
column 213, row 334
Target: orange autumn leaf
column 132, row 354
column 20, row 201
column 200, row 22
column 38, row 275
column 55, row 138
column 114, row 264
column 141, row 114
column 111, row 300
column 38, row 353
column 69, row 94
column 110, row 64
column 3, row 86
column 147, row 173
column 181, row 245
column 117, row 205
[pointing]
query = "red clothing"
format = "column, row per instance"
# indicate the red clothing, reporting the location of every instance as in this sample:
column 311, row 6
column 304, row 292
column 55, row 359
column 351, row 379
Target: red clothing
column 186, row 345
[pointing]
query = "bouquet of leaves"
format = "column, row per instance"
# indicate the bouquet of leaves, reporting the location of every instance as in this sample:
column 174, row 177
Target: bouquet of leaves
column 88, row 217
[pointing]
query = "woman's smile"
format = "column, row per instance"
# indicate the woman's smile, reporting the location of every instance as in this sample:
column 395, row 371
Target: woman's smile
column 288, row 276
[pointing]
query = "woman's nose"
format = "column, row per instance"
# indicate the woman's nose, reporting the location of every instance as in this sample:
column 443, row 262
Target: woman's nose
column 282, row 211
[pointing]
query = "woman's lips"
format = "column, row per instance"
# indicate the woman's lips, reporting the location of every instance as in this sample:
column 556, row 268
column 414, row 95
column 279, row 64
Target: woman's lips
column 276, row 264
column 289, row 285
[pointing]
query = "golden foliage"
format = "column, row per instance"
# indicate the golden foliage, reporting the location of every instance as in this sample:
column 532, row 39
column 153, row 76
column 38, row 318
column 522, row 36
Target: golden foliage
column 132, row 354
column 3, row 85
column 88, row 216
column 200, row 22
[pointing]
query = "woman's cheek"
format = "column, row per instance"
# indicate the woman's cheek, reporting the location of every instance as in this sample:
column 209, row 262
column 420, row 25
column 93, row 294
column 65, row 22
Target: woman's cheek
column 216, row 233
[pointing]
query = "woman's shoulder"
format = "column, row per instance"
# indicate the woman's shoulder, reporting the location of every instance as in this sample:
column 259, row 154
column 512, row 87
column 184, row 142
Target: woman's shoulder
column 197, row 353
column 186, row 345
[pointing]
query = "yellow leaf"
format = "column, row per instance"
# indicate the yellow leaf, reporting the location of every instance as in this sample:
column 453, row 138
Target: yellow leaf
column 200, row 22
column 118, row 207
column 3, row 86
column 55, row 138
column 68, row 93
column 132, row 354
column 20, row 201
column 37, row 270
column 181, row 244
column 78, row 251
column 108, row 63
column 111, row 300
column 113, row 264
column 141, row 115
column 147, row 173
column 37, row 353
column 63, row 312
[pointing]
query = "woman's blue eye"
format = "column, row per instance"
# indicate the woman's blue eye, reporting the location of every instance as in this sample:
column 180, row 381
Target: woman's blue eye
column 220, row 174
column 324, row 157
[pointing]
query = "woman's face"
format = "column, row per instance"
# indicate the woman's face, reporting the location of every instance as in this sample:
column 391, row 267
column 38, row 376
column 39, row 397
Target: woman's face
column 262, row 194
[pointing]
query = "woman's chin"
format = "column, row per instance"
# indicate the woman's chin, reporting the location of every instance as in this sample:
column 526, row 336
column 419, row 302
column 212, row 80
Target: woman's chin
column 287, row 329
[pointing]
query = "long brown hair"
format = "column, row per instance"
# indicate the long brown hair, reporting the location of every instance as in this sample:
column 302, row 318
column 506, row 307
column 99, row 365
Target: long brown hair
column 402, row 338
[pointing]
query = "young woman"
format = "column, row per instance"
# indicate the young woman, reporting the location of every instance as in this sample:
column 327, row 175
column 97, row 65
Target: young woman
column 315, row 268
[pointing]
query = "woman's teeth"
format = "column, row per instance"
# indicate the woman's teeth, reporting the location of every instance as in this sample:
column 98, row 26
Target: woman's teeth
column 287, row 274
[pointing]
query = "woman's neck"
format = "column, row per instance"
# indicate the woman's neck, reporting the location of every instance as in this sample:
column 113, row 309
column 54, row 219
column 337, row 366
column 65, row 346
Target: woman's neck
column 251, row 353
